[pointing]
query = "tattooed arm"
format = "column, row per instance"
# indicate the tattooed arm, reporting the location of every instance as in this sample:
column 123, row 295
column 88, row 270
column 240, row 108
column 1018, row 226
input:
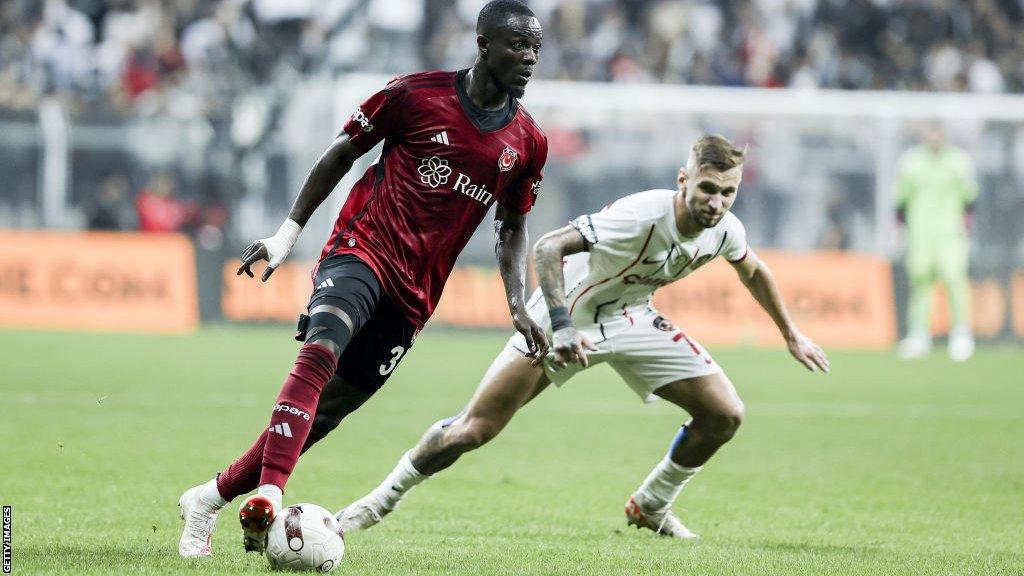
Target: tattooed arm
column 569, row 344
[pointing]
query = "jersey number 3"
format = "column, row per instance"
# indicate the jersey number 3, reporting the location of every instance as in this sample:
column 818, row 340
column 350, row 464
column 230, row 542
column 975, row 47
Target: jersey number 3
column 386, row 369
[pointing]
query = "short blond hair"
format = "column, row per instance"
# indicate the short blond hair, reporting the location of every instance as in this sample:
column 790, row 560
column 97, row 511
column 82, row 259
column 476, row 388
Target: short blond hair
column 717, row 152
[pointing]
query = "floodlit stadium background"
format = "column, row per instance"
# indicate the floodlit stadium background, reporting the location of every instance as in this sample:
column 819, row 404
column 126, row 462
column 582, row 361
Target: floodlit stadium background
column 225, row 106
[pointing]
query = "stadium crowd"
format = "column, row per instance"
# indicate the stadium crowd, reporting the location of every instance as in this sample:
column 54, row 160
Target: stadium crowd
column 189, row 56
column 221, row 76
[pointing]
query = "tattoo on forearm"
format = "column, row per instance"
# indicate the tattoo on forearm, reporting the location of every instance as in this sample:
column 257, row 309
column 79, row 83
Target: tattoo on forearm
column 549, row 275
column 548, row 256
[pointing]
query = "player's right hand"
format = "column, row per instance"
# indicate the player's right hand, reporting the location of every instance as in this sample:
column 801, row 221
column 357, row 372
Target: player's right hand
column 254, row 253
column 808, row 353
column 273, row 249
column 571, row 346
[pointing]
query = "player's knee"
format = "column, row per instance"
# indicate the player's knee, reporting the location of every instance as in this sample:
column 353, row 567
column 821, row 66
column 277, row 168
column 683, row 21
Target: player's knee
column 726, row 421
column 476, row 432
column 329, row 326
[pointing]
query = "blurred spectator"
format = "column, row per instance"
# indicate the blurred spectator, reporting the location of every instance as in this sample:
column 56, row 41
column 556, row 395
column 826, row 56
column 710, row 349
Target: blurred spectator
column 212, row 219
column 159, row 210
column 836, row 234
column 108, row 210
column 109, row 53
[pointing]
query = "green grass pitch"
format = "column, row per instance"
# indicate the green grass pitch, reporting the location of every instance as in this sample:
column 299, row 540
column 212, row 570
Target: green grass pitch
column 881, row 467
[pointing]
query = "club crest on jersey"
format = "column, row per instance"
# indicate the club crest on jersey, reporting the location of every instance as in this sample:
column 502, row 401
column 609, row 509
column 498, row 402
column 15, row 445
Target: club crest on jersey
column 663, row 324
column 434, row 171
column 507, row 159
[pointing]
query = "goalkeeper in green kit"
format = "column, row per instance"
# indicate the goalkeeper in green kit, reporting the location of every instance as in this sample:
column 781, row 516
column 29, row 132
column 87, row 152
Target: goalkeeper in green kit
column 935, row 192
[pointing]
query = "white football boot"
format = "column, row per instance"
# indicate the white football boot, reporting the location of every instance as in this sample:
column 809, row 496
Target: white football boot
column 361, row 514
column 961, row 344
column 200, row 519
column 915, row 346
column 256, row 514
column 662, row 521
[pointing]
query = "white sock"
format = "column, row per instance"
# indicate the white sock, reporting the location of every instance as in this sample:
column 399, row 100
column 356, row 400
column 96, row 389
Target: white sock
column 398, row 483
column 271, row 491
column 961, row 331
column 210, row 496
column 664, row 484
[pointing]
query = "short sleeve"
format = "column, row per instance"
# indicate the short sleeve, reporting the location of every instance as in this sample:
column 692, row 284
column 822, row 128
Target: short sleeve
column 524, row 191
column 734, row 247
column 377, row 118
column 610, row 229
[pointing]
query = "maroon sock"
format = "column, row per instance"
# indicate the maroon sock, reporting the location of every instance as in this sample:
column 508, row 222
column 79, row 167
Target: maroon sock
column 293, row 414
column 243, row 475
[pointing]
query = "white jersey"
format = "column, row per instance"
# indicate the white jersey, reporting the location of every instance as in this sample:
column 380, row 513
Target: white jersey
column 635, row 248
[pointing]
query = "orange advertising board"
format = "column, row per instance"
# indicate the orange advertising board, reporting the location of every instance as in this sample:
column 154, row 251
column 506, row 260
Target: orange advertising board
column 1017, row 302
column 281, row 299
column 473, row 297
column 838, row 299
column 97, row 281
column 989, row 310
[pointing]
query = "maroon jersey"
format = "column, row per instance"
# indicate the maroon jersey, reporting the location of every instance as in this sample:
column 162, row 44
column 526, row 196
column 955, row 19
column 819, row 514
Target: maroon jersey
column 413, row 211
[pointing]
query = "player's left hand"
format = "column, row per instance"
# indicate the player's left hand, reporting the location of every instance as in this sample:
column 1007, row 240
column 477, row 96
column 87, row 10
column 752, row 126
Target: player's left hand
column 571, row 346
column 536, row 341
column 807, row 353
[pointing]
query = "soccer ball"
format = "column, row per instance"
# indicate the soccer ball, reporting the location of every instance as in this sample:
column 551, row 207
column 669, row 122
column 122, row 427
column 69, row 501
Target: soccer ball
column 304, row 538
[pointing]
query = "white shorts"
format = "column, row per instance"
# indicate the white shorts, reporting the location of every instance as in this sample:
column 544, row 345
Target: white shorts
column 641, row 345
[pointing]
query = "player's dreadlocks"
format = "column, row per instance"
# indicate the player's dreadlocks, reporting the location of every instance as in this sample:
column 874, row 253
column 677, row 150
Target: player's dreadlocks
column 497, row 13
column 718, row 152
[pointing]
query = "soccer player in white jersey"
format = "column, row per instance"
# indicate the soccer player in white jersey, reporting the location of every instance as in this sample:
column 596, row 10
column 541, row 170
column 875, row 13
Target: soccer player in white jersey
column 635, row 245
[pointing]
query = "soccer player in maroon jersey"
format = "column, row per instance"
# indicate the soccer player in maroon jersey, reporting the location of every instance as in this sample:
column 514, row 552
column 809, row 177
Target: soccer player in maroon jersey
column 454, row 144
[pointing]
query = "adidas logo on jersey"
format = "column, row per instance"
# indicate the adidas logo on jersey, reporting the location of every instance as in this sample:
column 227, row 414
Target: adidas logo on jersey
column 283, row 429
column 441, row 138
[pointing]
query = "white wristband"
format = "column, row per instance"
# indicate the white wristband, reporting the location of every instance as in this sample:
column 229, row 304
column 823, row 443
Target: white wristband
column 280, row 244
column 289, row 231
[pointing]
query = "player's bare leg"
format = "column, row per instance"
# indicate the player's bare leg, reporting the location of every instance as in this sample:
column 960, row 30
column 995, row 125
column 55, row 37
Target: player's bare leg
column 717, row 412
column 508, row 385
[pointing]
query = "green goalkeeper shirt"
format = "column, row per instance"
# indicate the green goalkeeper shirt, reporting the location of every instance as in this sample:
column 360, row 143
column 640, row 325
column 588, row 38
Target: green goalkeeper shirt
column 935, row 189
